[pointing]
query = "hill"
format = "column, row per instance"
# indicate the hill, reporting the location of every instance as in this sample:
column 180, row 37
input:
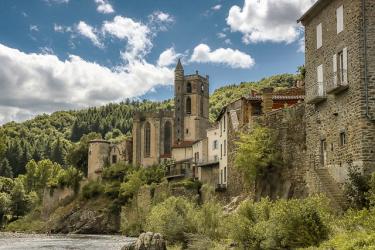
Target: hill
column 53, row 136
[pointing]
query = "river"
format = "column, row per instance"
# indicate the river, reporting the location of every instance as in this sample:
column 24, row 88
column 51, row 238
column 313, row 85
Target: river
column 39, row 241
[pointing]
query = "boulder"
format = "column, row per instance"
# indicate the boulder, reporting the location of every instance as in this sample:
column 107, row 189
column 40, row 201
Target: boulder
column 148, row 241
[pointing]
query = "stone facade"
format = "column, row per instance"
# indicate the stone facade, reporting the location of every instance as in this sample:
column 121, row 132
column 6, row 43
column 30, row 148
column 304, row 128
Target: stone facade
column 341, row 98
column 159, row 125
column 103, row 153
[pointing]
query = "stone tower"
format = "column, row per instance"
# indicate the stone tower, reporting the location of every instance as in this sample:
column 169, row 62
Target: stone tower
column 191, row 105
column 98, row 158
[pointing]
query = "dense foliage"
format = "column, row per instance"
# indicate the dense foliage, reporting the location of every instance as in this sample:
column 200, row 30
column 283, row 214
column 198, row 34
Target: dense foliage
column 257, row 153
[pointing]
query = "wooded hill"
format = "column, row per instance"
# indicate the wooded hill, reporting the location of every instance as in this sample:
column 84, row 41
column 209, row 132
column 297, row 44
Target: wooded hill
column 57, row 135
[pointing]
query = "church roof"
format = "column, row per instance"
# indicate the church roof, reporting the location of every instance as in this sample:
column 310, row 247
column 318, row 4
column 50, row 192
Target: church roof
column 179, row 65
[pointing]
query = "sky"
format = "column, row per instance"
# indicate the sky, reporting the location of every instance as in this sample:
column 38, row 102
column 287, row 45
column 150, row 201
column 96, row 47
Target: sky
column 72, row 54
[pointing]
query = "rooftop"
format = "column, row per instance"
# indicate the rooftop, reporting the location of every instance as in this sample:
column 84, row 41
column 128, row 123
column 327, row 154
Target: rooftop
column 315, row 9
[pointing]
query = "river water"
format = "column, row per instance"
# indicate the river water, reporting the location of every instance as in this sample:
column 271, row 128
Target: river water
column 39, row 241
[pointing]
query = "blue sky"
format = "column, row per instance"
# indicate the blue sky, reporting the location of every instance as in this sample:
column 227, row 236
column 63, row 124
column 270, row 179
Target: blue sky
column 69, row 54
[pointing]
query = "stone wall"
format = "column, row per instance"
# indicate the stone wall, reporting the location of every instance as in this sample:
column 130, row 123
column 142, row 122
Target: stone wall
column 53, row 198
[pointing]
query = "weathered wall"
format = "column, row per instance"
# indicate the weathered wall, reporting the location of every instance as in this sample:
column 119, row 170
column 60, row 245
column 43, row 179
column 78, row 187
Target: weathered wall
column 52, row 199
column 289, row 125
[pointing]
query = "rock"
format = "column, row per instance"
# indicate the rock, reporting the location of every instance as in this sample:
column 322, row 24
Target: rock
column 148, row 241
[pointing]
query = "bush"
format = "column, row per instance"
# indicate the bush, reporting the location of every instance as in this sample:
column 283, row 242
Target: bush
column 280, row 224
column 189, row 184
column 117, row 171
column 172, row 218
column 92, row 189
column 357, row 188
column 130, row 188
column 257, row 153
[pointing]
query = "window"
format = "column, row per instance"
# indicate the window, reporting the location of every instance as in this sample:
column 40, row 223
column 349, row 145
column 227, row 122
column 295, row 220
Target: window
column 340, row 19
column 225, row 147
column 196, row 157
column 319, row 34
column 221, row 151
column 202, row 88
column 147, row 139
column 340, row 67
column 114, row 159
column 188, row 105
column 342, row 138
column 221, row 176
column 202, row 106
column 167, row 137
column 187, row 131
column 214, row 144
column 225, row 174
column 216, row 158
column 188, row 87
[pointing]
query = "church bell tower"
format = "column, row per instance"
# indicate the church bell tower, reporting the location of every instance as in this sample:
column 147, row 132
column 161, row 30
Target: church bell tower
column 191, row 105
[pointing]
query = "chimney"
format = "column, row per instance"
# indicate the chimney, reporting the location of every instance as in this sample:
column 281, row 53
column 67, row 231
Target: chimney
column 267, row 102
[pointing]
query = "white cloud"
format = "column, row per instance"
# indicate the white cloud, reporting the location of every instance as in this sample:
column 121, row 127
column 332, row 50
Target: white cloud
column 137, row 34
column 168, row 57
column 268, row 20
column 232, row 58
column 50, row 2
column 162, row 17
column 36, row 83
column 221, row 35
column 104, row 7
column 216, row 7
column 46, row 50
column 87, row 31
column 227, row 41
column 61, row 28
column 33, row 28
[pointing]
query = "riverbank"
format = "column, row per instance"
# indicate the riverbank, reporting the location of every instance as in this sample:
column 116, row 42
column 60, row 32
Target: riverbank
column 21, row 241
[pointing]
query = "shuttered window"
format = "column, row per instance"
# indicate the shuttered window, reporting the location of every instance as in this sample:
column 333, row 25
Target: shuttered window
column 340, row 19
column 319, row 34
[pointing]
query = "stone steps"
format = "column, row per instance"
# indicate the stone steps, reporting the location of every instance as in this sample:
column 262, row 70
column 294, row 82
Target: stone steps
column 332, row 189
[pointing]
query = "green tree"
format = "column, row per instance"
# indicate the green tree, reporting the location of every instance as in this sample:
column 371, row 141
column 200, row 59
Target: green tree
column 257, row 153
column 78, row 154
column 5, row 169
column 4, row 207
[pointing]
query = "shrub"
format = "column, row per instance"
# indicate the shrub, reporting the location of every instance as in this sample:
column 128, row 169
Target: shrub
column 357, row 188
column 280, row 224
column 130, row 188
column 112, row 189
column 92, row 189
column 172, row 218
column 257, row 153
column 117, row 171
column 189, row 184
column 209, row 221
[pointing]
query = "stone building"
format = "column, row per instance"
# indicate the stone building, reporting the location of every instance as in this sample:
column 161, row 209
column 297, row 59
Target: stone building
column 103, row 153
column 170, row 135
column 340, row 90
column 152, row 137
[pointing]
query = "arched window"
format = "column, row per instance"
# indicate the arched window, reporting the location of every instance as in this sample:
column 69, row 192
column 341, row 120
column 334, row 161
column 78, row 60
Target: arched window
column 202, row 88
column 147, row 139
column 188, row 87
column 188, row 105
column 167, row 137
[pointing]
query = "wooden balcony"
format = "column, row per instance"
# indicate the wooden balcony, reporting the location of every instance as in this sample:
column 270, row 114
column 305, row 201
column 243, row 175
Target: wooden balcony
column 316, row 93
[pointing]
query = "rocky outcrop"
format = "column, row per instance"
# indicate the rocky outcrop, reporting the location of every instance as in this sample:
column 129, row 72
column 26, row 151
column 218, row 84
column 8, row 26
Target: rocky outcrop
column 84, row 217
column 148, row 241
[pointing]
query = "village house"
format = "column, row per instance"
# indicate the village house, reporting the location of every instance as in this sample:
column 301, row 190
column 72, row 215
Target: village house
column 340, row 91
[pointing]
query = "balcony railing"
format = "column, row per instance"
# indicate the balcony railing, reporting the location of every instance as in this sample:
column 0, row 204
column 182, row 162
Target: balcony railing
column 336, row 82
column 316, row 93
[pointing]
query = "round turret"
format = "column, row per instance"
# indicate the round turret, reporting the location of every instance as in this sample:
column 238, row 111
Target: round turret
column 98, row 157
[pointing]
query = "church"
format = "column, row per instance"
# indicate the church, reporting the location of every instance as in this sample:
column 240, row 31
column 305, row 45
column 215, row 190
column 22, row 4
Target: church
column 169, row 135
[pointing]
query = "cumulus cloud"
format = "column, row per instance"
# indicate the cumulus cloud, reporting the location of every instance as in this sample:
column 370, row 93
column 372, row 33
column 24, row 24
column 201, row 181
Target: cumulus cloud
column 168, row 57
column 35, row 83
column 87, row 31
column 137, row 34
column 268, row 20
column 104, row 7
column 227, row 56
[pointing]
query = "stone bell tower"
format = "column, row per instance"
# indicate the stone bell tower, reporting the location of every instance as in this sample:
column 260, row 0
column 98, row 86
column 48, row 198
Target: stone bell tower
column 191, row 105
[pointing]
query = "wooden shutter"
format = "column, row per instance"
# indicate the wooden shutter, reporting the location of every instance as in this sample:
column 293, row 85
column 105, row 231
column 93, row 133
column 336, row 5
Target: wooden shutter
column 345, row 65
column 340, row 19
column 334, row 61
